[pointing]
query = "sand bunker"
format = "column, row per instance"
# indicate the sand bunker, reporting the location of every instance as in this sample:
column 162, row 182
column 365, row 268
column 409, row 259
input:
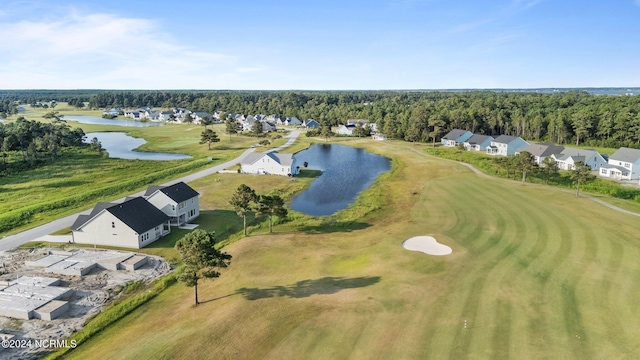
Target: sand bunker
column 427, row 245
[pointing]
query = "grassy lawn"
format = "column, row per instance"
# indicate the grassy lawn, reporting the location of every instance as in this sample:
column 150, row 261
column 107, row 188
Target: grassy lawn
column 536, row 272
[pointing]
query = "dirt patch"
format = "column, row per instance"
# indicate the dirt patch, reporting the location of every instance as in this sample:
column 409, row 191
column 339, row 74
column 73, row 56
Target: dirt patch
column 92, row 292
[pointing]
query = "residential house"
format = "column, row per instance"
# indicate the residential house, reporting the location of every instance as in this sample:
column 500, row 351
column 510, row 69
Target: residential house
column 247, row 123
column 113, row 112
column 199, row 115
column 569, row 156
column 478, row 142
column 155, row 116
column 135, row 223
column 292, row 121
column 506, row 145
column 166, row 115
column 378, row 136
column 455, row 137
column 179, row 201
column 311, row 124
column 363, row 122
column 272, row 163
column 624, row 164
column 541, row 150
column 133, row 115
column 21, row 109
column 346, row 129
column 268, row 126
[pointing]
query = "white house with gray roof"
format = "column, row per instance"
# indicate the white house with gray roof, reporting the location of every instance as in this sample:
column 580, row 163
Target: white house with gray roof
column 478, row 142
column 455, row 137
column 179, row 201
column 541, row 150
column 135, row 223
column 569, row 156
column 624, row 164
column 271, row 163
column 506, row 145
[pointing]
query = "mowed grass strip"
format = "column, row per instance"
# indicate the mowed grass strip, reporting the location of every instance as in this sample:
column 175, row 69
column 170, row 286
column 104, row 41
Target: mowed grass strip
column 536, row 272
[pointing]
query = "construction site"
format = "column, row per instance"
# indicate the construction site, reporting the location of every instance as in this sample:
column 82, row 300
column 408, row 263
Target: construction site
column 47, row 294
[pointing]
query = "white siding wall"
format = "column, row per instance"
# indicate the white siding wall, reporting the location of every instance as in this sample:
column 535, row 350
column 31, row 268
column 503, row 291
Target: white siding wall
column 266, row 165
column 634, row 168
column 100, row 231
column 171, row 208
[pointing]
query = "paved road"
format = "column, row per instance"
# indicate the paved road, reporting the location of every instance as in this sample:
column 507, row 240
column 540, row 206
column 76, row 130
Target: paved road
column 13, row 241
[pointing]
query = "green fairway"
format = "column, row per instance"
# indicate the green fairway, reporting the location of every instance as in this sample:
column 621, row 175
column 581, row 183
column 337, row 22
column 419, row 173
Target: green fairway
column 535, row 272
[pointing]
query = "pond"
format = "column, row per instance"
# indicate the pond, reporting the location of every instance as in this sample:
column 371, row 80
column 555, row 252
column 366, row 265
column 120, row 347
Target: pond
column 346, row 171
column 86, row 119
column 120, row 145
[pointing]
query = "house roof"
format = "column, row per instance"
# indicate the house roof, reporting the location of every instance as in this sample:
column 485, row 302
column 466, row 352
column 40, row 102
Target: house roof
column 136, row 213
column 455, row 134
column 81, row 220
column 542, row 149
column 478, row 139
column 505, row 139
column 616, row 167
column 626, row 155
column 282, row 159
column 178, row 192
column 575, row 154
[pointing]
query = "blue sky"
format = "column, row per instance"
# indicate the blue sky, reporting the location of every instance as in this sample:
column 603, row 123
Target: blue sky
column 318, row 45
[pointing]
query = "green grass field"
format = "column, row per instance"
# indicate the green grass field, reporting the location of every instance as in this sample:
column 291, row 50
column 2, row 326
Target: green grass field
column 536, row 272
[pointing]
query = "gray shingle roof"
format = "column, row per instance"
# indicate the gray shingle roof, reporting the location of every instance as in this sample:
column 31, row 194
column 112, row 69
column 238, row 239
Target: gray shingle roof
column 505, row 139
column 542, row 149
column 478, row 139
column 626, row 155
column 454, row 134
column 575, row 154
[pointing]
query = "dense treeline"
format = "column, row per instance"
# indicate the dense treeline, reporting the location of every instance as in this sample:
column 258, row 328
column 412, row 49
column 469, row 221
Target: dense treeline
column 563, row 117
column 26, row 143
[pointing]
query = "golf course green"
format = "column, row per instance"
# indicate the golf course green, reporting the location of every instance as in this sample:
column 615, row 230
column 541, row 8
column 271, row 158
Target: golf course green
column 535, row 273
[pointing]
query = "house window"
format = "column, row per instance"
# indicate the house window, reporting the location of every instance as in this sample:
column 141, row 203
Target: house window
column 113, row 224
column 183, row 205
column 603, row 171
column 627, row 165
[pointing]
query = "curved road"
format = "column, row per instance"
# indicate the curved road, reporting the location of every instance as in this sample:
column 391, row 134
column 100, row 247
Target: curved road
column 13, row 241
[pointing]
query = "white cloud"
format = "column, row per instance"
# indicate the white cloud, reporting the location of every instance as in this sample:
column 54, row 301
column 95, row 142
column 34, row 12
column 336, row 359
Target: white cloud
column 520, row 5
column 102, row 51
